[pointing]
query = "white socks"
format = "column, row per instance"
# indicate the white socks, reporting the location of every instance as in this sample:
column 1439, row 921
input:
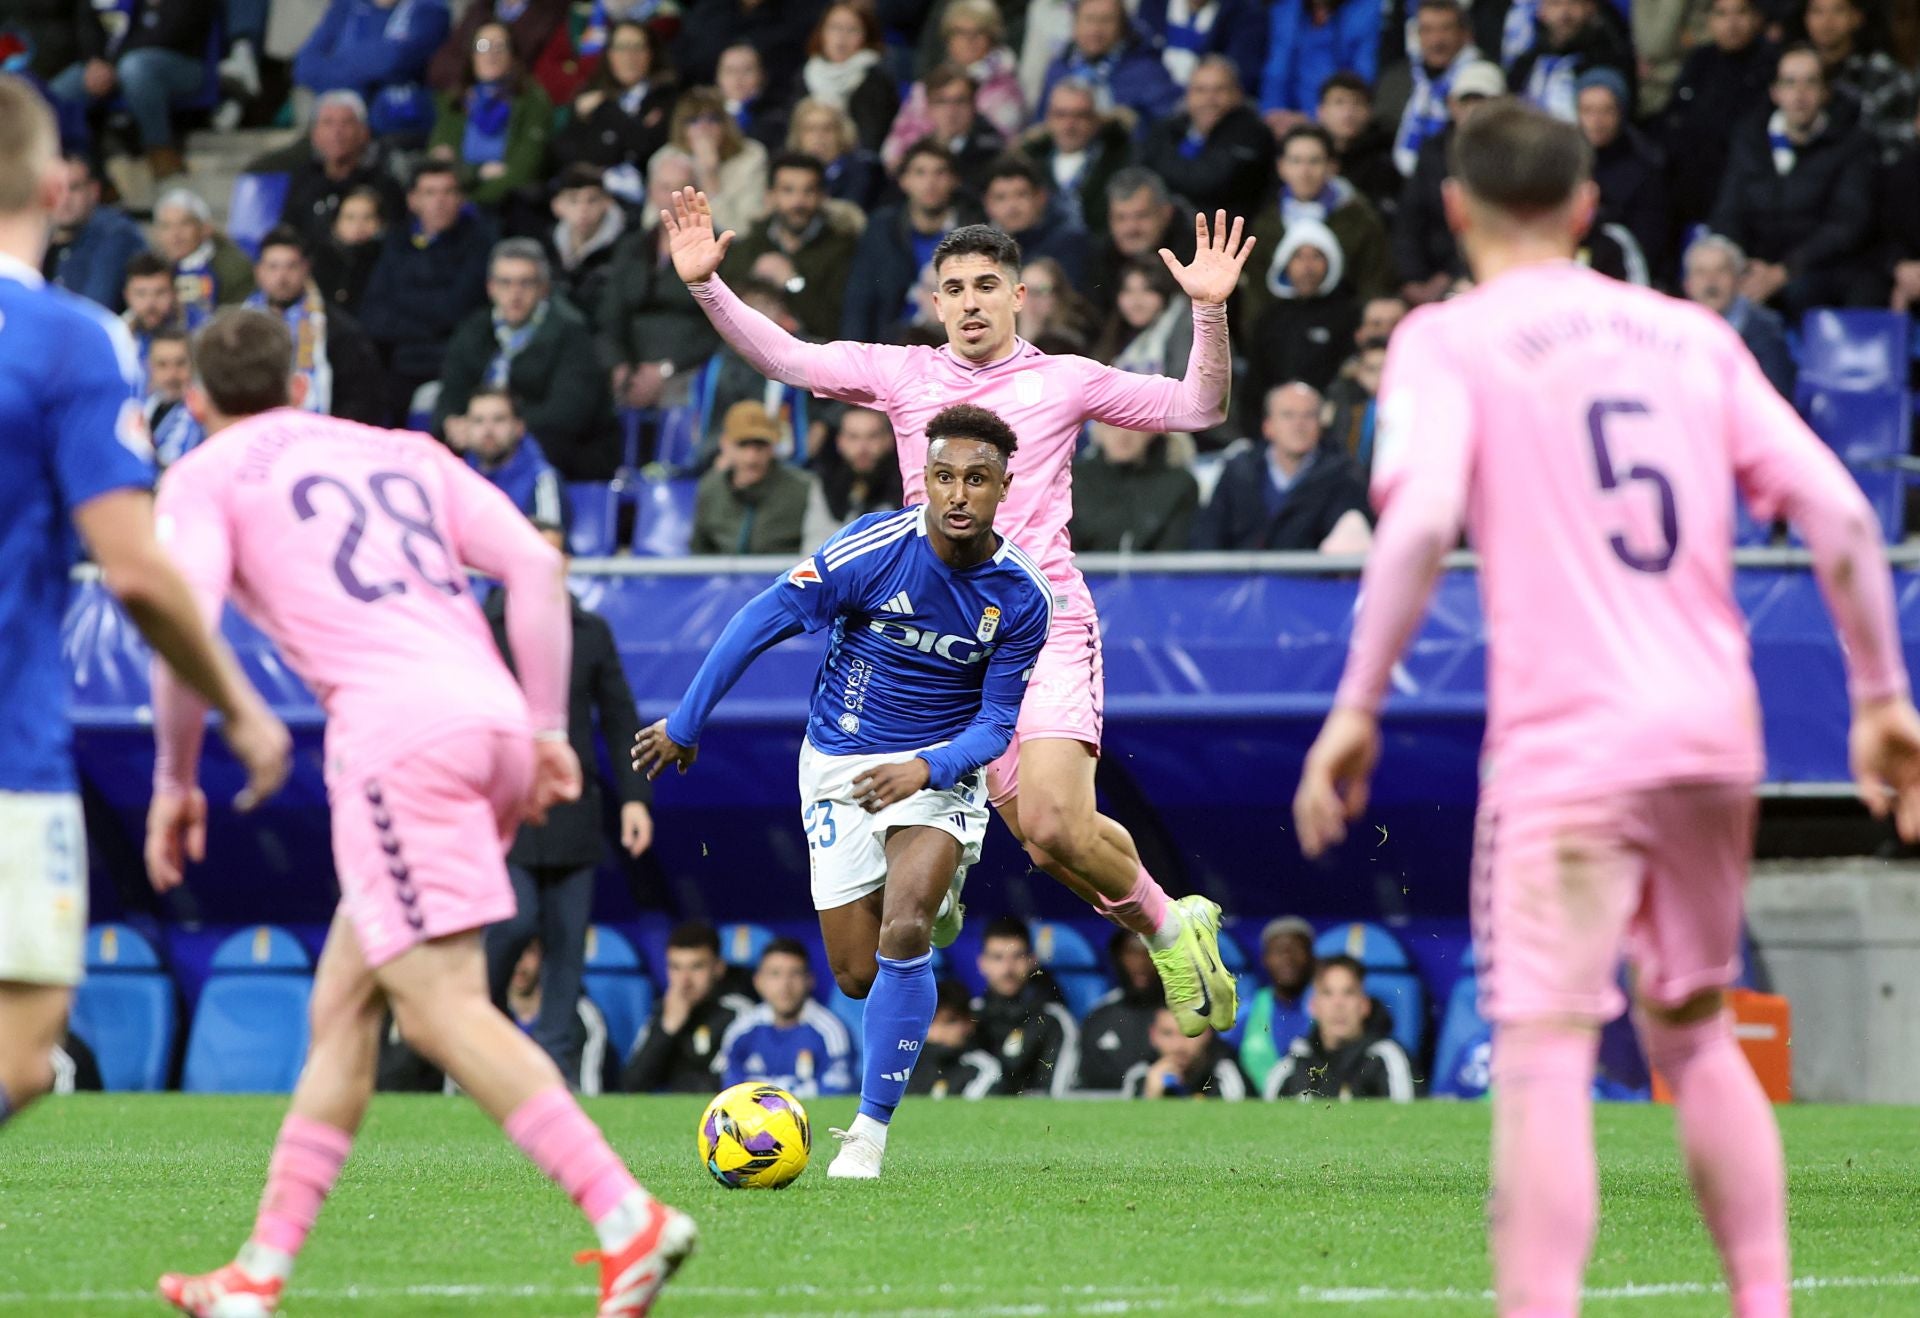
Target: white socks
column 264, row 1263
column 1169, row 931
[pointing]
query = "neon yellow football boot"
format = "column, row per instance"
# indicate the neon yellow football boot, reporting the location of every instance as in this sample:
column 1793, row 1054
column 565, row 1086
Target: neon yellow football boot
column 1200, row 991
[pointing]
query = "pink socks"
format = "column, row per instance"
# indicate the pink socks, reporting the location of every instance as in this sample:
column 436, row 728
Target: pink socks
column 1545, row 1186
column 306, row 1161
column 1144, row 910
column 564, row 1143
column 1732, row 1147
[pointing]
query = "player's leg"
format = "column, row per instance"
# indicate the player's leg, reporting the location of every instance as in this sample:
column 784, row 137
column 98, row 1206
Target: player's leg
column 852, row 935
column 43, row 930
column 1686, row 947
column 33, row 1021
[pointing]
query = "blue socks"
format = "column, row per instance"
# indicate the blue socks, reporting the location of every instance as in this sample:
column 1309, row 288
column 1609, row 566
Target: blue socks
column 899, row 1010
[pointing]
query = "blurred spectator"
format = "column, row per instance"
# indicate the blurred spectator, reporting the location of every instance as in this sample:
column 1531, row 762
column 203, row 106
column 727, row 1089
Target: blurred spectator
column 1798, row 198
column 1017, row 202
column 1049, row 28
column 1022, row 1019
column 1308, row 41
column 730, row 167
column 953, row 122
column 751, row 502
column 1117, row 1034
column 1714, row 266
column 677, row 1049
column 493, row 126
column 153, row 304
column 1278, row 1014
column 540, row 348
column 1293, row 493
column 209, row 271
column 1348, row 1053
column 788, row 1039
column 533, row 28
column 1130, row 496
column 339, row 156
column 1187, row 31
column 431, row 272
column 798, row 224
column 378, row 50
column 620, row 119
column 972, row 36
column 1306, row 331
column 899, row 243
column 949, row 1064
column 331, row 352
column 1203, row 1067
column 854, row 174
column 1312, row 190
column 494, row 441
column 1054, row 311
column 1570, row 40
column 90, row 245
column 1443, row 45
column 1362, row 149
column 1723, row 83
column 1123, row 70
column 152, row 54
column 650, row 326
column 1215, row 153
column 742, row 83
column 845, row 69
column 1379, row 318
column 729, row 378
column 1900, row 229
column 777, row 28
column 1080, row 150
column 1661, row 33
column 343, row 260
column 1425, row 256
column 1627, row 168
column 169, row 371
column 1878, row 90
column 56, row 34
column 1352, row 400
column 588, row 225
column 1141, row 219
column 535, row 998
column 857, row 474
column 1150, row 331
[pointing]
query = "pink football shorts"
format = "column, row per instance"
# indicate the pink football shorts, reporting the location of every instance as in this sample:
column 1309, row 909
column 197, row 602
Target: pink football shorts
column 1065, row 697
column 420, row 843
column 1563, row 890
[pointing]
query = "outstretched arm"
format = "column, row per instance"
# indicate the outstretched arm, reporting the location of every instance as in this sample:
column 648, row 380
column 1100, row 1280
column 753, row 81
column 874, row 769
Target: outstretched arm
column 761, row 624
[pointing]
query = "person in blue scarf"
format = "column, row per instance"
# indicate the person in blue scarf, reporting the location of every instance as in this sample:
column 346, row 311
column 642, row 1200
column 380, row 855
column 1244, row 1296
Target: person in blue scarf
column 496, row 444
column 1124, row 72
column 494, row 127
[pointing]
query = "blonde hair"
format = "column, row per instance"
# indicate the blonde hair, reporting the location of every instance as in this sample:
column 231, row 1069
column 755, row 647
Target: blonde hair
column 982, row 13
column 842, row 124
column 706, row 100
column 29, row 144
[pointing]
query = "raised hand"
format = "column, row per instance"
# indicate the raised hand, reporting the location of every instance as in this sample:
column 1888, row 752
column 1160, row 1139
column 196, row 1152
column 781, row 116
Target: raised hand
column 1218, row 258
column 690, row 240
column 654, row 750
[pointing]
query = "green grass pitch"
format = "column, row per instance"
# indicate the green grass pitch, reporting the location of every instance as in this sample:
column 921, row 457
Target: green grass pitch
column 1006, row 1208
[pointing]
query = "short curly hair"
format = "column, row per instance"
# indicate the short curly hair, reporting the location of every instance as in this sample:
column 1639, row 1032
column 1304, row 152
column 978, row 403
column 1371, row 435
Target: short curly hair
column 966, row 421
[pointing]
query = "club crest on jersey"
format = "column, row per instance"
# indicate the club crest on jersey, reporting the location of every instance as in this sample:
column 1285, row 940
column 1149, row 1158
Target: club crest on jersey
column 989, row 623
column 803, row 573
column 1027, row 387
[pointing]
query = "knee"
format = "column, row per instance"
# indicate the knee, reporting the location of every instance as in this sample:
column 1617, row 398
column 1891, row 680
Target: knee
column 1053, row 834
column 1702, row 1006
column 907, row 934
column 855, row 981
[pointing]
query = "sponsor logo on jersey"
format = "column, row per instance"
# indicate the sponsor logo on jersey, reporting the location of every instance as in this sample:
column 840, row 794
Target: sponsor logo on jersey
column 989, row 623
column 962, row 650
column 1027, row 387
column 849, row 723
column 804, row 572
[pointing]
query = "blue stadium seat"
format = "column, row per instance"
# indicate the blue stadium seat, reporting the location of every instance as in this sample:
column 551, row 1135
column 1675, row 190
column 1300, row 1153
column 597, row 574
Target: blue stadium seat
column 1464, row 1049
column 590, row 529
column 617, row 982
column 255, row 208
column 1853, row 350
column 249, row 1035
column 676, row 436
column 741, row 944
column 1871, row 432
column 126, row 1009
column 1390, row 976
column 663, row 523
column 1072, row 961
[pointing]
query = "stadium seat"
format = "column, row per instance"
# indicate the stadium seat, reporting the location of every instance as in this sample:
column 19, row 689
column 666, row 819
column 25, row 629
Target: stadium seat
column 1871, row 432
column 676, row 437
column 741, row 944
column 1073, row 963
column 663, row 523
column 126, row 1010
column 1390, row 976
column 255, row 208
column 590, row 529
column 249, row 1035
column 1463, row 1050
column 616, row 980
column 1853, row 350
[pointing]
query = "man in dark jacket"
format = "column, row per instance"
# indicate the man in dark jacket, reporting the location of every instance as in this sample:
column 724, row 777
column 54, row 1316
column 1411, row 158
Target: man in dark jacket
column 331, row 350
column 1294, row 493
column 1426, row 259
column 91, row 243
column 1117, row 1034
column 899, row 243
column 1106, row 52
column 552, row 864
column 1349, row 1052
column 1362, row 148
column 1142, row 217
column 1205, row 1066
column 539, row 347
column 1722, row 84
column 1216, row 153
column 494, row 441
column 1128, row 498
column 956, row 124
column 151, row 54
column 1570, row 40
column 677, row 1049
column 651, row 329
column 1023, row 1019
column 799, row 225
column 1713, row 269
column 1019, row 202
column 1798, row 198
column 950, row 1064
column 339, row 156
column 431, row 273
column 1627, row 169
column 1078, row 149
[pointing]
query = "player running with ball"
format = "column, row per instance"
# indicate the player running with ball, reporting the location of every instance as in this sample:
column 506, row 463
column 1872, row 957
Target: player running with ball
column 1591, row 435
column 937, row 624
column 1043, row 785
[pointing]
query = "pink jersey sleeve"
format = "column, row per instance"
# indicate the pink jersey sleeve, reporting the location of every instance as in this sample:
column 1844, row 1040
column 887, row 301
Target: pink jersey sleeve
column 1784, row 470
column 859, row 373
column 192, row 523
column 1157, row 402
column 1420, row 489
column 490, row 534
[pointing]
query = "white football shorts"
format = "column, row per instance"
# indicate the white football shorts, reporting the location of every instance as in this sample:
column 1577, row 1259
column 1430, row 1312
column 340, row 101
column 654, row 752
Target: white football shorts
column 847, row 847
column 43, row 888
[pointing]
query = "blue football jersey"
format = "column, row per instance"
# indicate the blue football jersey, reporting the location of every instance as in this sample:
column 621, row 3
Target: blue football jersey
column 811, row 1057
column 71, row 429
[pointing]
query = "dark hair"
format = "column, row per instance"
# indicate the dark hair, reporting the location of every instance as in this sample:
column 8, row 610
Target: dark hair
column 516, row 80
column 953, row 996
column 1344, row 81
column 1313, row 131
column 870, row 34
column 946, row 74
column 695, row 934
column 1340, row 961
column 505, row 395
column 787, row 947
column 928, row 146
column 1453, row 7
column 966, row 421
column 1801, row 48
column 242, row 358
column 1011, row 164
column 169, row 334
column 429, row 167
column 979, row 240
column 755, row 286
column 1518, row 159
column 796, row 160
column 85, row 162
column 579, row 174
column 145, row 265
column 1117, row 334
column 284, row 235
column 367, row 192
column 660, row 72
column 1007, row 926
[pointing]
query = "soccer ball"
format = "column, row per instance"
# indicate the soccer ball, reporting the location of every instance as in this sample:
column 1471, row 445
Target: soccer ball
column 755, row 1137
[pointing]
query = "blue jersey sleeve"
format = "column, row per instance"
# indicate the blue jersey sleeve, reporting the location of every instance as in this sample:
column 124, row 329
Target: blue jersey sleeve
column 1003, row 687
column 761, row 624
column 98, row 432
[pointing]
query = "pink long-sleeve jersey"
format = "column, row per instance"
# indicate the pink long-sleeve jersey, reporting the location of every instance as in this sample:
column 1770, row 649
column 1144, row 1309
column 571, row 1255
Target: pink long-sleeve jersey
column 1592, row 435
column 348, row 546
column 1045, row 399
